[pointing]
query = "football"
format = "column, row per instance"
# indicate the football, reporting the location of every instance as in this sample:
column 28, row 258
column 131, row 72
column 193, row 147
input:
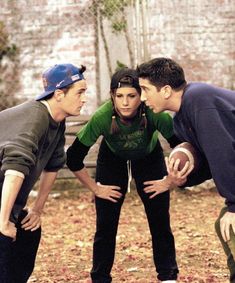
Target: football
column 184, row 152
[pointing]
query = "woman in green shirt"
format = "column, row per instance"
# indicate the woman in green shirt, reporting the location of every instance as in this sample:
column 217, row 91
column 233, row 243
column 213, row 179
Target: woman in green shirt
column 130, row 148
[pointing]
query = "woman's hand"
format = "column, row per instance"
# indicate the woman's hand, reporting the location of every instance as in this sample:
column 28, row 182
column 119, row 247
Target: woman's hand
column 108, row 192
column 32, row 220
column 173, row 179
column 157, row 187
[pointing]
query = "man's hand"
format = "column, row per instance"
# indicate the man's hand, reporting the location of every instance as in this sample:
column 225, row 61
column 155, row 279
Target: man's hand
column 108, row 192
column 8, row 230
column 225, row 222
column 32, row 221
column 178, row 178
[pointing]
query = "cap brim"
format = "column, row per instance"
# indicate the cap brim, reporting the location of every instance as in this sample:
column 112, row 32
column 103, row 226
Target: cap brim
column 43, row 95
column 68, row 83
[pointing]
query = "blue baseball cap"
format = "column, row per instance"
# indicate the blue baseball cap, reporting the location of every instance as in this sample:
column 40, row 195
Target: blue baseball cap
column 60, row 76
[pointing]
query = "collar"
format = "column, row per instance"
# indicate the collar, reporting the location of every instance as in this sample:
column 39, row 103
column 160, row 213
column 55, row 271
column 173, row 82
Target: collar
column 47, row 106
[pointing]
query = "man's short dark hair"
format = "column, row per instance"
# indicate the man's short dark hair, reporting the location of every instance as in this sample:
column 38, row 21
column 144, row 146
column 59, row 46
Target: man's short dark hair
column 161, row 72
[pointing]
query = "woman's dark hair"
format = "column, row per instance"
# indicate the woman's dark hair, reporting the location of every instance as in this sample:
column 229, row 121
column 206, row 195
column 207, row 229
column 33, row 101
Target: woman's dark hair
column 125, row 78
column 114, row 129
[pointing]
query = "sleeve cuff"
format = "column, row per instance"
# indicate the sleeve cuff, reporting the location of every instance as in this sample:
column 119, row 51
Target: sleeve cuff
column 14, row 173
column 231, row 208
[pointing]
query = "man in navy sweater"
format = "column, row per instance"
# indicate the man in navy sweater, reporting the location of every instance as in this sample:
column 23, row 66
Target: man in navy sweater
column 205, row 117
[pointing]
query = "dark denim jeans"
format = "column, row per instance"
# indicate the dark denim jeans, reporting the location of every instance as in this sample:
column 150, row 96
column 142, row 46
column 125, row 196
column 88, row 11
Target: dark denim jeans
column 17, row 258
column 112, row 170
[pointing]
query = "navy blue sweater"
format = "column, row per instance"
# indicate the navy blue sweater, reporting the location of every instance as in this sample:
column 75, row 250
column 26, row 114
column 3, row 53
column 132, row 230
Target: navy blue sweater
column 207, row 119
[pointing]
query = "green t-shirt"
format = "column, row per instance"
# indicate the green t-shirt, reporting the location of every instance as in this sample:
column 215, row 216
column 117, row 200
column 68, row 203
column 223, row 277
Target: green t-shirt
column 130, row 142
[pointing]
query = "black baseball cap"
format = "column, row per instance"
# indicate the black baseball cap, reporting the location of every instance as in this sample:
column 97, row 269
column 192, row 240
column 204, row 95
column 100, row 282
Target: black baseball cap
column 125, row 77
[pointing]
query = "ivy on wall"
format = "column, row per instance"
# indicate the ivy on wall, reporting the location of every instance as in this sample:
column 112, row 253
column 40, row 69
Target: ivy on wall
column 115, row 12
column 8, row 70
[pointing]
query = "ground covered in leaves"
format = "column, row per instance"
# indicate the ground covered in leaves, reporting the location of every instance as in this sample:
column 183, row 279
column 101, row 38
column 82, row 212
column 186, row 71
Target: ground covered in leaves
column 69, row 223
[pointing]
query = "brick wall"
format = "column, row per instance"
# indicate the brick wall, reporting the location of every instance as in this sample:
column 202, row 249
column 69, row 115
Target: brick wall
column 49, row 32
column 200, row 34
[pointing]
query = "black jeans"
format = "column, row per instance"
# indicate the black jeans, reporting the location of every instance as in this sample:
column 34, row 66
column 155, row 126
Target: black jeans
column 17, row 258
column 113, row 171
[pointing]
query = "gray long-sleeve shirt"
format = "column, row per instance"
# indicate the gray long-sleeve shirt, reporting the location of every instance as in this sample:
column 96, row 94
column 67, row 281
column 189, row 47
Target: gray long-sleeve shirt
column 30, row 142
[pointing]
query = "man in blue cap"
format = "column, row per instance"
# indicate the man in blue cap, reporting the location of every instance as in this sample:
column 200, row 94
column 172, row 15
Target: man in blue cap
column 32, row 145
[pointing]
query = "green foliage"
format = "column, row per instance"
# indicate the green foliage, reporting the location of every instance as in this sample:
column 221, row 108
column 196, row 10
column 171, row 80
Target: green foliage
column 8, row 70
column 119, row 26
column 9, row 51
column 113, row 10
column 109, row 8
column 6, row 49
column 120, row 65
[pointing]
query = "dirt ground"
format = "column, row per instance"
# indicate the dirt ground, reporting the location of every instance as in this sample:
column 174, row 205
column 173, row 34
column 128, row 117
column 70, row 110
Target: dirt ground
column 69, row 223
